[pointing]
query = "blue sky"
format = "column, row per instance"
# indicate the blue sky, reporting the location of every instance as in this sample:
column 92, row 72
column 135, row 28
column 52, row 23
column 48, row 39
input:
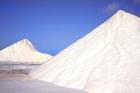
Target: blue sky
column 52, row 25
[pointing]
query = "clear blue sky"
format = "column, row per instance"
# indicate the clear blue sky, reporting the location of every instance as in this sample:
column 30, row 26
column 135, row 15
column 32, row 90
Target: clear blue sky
column 52, row 25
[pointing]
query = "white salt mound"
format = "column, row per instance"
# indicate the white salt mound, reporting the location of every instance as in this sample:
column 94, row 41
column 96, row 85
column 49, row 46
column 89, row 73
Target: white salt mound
column 107, row 60
column 22, row 51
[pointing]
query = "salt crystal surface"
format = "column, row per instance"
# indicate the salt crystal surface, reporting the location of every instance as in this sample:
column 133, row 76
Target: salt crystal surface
column 107, row 60
column 22, row 51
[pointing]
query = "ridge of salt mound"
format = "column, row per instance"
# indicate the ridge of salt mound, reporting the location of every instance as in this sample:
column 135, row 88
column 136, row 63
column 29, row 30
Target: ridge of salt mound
column 22, row 51
column 107, row 60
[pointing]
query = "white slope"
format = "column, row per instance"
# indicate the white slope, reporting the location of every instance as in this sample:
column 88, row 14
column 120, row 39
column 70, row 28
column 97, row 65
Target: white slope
column 22, row 51
column 107, row 60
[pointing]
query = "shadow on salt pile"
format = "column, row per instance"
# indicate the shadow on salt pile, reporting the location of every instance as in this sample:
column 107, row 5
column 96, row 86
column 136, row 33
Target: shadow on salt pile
column 33, row 86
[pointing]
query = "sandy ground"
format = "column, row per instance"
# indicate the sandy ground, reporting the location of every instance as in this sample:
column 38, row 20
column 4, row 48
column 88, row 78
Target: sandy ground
column 18, row 81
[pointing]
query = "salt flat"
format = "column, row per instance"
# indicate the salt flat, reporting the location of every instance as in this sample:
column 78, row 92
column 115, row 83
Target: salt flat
column 18, row 81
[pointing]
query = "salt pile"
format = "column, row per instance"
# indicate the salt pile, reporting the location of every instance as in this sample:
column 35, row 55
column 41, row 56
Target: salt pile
column 22, row 51
column 107, row 60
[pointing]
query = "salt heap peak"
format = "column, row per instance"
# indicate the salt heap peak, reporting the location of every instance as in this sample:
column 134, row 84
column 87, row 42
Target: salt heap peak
column 22, row 51
column 107, row 60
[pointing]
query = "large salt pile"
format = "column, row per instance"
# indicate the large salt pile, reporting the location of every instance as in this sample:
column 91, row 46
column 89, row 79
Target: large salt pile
column 22, row 51
column 107, row 60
